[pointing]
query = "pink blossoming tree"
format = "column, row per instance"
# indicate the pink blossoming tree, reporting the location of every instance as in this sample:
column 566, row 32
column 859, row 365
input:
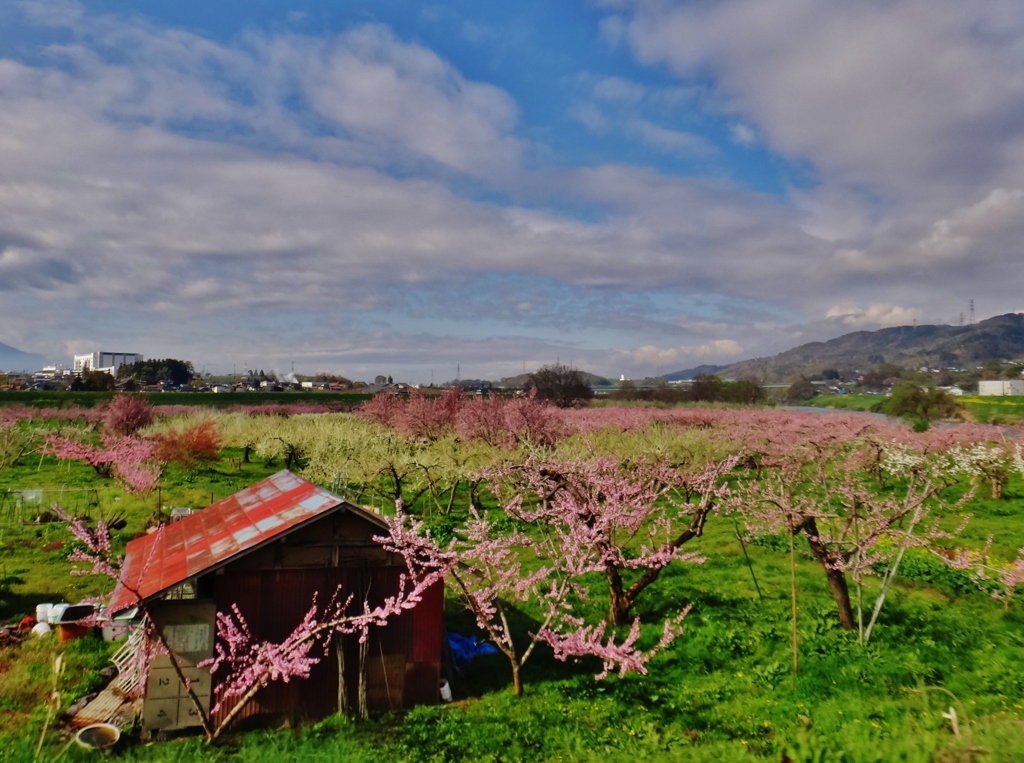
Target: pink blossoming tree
column 493, row 571
column 850, row 526
column 127, row 414
column 626, row 521
column 130, row 459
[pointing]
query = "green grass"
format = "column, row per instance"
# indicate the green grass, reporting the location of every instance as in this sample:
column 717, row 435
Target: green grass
column 995, row 410
column 992, row 410
column 846, row 402
column 62, row 399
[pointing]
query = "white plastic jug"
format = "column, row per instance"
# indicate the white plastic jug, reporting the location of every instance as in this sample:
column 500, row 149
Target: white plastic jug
column 43, row 612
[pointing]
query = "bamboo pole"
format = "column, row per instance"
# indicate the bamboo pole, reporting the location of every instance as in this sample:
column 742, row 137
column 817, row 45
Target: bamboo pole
column 792, row 596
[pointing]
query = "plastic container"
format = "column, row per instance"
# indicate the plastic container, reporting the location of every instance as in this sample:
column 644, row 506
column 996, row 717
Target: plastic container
column 76, row 612
column 98, row 736
column 68, row 632
column 41, row 629
column 56, row 612
column 446, row 691
column 43, row 612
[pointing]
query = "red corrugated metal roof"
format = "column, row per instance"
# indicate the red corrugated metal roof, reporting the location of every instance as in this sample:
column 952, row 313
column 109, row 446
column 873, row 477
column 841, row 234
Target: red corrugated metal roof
column 209, row 538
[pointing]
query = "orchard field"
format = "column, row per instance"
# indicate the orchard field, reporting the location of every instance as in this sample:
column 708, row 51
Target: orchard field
column 679, row 584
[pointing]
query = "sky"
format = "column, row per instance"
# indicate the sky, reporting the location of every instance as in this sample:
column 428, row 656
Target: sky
column 477, row 189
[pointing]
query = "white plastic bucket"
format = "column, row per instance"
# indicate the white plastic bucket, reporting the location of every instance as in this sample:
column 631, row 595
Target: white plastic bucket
column 43, row 612
column 446, row 691
column 98, row 736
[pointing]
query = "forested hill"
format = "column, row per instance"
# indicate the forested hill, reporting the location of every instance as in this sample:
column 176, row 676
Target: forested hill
column 689, row 373
column 1001, row 337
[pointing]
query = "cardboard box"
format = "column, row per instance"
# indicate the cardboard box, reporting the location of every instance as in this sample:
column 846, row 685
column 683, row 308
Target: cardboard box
column 160, row 714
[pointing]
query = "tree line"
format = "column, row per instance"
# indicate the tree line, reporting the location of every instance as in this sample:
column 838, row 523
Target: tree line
column 705, row 388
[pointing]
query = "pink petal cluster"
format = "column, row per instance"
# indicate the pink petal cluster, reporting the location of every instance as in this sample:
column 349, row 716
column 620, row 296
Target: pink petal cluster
column 590, row 641
column 95, row 546
column 127, row 414
column 130, row 459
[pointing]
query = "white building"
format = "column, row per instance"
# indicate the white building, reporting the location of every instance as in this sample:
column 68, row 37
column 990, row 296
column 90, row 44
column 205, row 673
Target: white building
column 105, row 361
column 53, row 372
column 1001, row 387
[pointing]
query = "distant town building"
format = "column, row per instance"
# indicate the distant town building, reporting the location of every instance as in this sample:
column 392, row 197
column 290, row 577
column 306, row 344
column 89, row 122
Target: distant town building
column 52, row 372
column 1001, row 387
column 105, row 361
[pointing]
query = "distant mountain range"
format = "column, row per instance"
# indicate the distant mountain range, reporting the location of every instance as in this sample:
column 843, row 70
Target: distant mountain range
column 999, row 338
column 690, row 373
column 13, row 359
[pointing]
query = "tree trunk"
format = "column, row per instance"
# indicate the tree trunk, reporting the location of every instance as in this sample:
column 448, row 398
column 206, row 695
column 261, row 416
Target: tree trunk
column 517, row 680
column 997, row 483
column 619, row 603
column 695, row 530
column 836, row 577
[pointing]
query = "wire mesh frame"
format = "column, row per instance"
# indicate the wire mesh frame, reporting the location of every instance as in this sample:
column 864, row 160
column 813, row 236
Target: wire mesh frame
column 25, row 505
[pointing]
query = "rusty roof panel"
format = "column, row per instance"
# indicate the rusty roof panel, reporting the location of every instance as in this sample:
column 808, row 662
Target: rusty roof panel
column 221, row 531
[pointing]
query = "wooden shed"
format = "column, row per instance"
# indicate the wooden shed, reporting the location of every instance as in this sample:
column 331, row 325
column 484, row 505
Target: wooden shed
column 267, row 550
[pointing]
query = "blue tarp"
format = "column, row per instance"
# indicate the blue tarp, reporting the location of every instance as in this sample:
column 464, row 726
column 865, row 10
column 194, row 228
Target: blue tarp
column 465, row 648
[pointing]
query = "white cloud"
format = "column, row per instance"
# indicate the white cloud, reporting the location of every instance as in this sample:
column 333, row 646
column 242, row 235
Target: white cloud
column 619, row 90
column 900, row 116
column 380, row 88
column 743, row 134
column 670, row 141
column 714, row 350
column 875, row 316
column 907, row 96
column 999, row 216
column 590, row 116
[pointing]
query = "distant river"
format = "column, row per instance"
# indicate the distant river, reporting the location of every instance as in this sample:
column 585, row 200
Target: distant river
column 1011, row 432
column 824, row 411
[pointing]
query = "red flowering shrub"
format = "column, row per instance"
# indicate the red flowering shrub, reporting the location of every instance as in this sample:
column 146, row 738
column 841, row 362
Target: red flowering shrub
column 189, row 447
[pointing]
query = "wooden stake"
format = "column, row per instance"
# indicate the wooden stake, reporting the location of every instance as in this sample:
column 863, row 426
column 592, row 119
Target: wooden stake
column 339, row 650
column 792, row 595
column 746, row 556
column 364, row 649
